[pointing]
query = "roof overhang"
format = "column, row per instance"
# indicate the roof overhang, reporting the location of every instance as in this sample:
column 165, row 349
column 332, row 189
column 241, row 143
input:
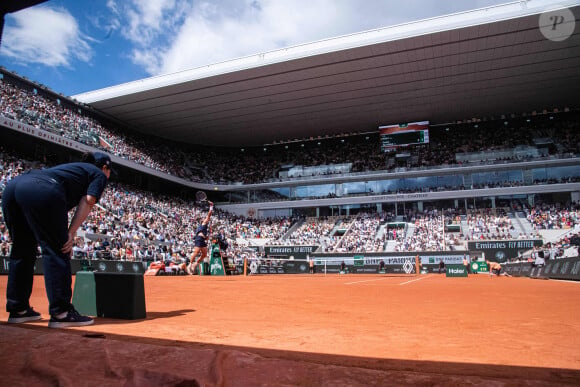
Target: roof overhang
column 9, row 6
column 475, row 64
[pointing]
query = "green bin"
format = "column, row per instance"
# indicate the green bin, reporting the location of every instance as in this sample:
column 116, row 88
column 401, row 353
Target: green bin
column 84, row 294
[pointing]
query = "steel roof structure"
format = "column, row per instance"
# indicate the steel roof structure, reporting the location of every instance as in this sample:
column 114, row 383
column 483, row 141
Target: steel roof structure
column 477, row 64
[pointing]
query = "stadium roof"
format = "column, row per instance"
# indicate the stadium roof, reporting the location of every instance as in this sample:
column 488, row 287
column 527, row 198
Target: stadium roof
column 482, row 63
column 9, row 6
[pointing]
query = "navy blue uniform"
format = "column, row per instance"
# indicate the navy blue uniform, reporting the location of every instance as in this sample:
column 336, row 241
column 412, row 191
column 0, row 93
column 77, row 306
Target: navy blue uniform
column 35, row 207
column 222, row 242
column 201, row 234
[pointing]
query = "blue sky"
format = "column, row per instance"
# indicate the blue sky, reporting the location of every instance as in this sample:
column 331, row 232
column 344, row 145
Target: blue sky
column 74, row 46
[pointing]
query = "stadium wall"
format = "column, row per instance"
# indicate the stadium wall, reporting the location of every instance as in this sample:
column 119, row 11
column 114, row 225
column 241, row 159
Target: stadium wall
column 561, row 269
column 101, row 266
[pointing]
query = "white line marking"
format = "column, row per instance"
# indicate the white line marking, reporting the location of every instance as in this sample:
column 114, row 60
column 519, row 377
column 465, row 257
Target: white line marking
column 416, row 279
column 371, row 280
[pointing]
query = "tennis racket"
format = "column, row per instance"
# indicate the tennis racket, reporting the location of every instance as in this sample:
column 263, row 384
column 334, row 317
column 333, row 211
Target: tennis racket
column 200, row 196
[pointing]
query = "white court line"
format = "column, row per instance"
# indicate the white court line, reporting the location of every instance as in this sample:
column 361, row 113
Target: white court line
column 384, row 278
column 371, row 280
column 416, row 279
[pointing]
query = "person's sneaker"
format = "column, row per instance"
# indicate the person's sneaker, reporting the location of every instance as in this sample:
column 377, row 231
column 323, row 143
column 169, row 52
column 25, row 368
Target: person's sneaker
column 190, row 269
column 25, row 316
column 72, row 319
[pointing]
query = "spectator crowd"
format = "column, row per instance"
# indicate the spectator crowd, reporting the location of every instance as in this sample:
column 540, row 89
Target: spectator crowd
column 132, row 224
column 258, row 164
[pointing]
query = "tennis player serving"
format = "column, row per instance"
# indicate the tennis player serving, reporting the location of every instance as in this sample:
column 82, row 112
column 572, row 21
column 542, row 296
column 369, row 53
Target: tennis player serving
column 200, row 242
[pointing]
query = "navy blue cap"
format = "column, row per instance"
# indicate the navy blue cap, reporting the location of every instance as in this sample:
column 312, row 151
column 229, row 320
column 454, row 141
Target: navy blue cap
column 102, row 159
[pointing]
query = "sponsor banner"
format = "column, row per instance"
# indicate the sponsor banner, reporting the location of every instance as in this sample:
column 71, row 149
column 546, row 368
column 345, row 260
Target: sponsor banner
column 536, row 272
column 43, row 134
column 503, row 250
column 264, row 269
column 447, row 259
column 366, row 266
column 394, row 263
column 330, row 267
column 124, row 267
column 38, row 269
column 298, row 252
column 400, row 197
column 540, row 271
column 284, row 267
column 295, row 267
column 216, row 263
column 425, row 258
column 478, row 267
column 87, row 265
column 516, row 270
column 574, row 270
column 430, row 268
column 455, row 271
column 564, row 268
column 361, row 260
column 525, row 270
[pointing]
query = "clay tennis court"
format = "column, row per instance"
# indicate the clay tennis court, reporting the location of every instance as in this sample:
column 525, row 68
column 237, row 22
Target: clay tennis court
column 312, row 330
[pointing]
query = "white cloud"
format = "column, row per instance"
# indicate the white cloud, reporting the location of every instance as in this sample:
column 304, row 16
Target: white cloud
column 175, row 35
column 210, row 32
column 45, row 35
column 149, row 19
column 164, row 36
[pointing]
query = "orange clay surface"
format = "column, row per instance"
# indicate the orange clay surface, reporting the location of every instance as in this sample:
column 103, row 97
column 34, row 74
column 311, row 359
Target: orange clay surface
column 312, row 330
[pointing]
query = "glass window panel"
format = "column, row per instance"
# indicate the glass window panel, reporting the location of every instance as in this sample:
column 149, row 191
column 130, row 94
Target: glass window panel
column 557, row 173
column 318, row 191
column 497, row 177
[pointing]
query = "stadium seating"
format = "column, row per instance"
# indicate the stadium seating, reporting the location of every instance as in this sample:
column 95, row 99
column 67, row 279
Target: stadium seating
column 133, row 224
